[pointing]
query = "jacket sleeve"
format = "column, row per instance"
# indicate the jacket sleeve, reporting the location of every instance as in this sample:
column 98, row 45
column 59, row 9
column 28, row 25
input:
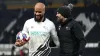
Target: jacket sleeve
column 78, row 33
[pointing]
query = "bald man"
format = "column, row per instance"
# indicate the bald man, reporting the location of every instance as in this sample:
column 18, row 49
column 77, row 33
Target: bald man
column 40, row 29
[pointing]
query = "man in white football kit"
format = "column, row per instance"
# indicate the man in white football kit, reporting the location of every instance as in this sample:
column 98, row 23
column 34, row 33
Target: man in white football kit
column 40, row 29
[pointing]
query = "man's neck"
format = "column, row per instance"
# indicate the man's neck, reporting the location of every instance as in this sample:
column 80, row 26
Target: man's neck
column 64, row 20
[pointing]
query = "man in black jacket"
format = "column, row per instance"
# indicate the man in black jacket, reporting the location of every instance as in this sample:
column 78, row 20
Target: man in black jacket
column 70, row 33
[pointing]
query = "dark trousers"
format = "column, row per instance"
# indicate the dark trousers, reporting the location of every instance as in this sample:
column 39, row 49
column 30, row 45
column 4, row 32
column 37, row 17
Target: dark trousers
column 69, row 54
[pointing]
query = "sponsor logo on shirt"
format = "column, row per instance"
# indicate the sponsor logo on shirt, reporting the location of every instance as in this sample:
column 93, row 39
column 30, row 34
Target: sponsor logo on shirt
column 39, row 34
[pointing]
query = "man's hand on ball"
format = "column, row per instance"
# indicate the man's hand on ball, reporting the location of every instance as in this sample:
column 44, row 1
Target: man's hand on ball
column 19, row 42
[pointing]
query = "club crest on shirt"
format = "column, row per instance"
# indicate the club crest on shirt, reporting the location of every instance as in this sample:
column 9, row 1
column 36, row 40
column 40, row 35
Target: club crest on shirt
column 67, row 28
column 32, row 26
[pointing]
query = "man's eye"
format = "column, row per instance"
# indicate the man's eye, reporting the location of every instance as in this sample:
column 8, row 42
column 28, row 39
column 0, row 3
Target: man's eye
column 38, row 11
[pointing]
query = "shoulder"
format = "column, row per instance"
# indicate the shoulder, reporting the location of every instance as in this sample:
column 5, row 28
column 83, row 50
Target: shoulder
column 49, row 22
column 73, row 24
column 76, row 24
column 29, row 21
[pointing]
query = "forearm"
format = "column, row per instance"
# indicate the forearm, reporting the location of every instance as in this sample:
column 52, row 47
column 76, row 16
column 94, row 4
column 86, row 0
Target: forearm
column 57, row 43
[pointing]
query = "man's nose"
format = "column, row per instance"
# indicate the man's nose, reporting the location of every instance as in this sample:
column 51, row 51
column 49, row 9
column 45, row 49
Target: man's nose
column 56, row 15
column 37, row 13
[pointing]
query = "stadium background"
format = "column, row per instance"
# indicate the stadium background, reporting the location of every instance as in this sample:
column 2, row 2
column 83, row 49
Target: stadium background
column 13, row 14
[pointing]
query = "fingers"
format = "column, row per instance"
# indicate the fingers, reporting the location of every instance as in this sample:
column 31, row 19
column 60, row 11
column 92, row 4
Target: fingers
column 19, row 42
column 22, row 42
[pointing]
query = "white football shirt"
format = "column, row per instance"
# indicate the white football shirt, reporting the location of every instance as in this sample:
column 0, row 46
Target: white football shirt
column 38, row 32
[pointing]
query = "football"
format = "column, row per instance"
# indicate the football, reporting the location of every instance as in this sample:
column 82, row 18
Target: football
column 23, row 36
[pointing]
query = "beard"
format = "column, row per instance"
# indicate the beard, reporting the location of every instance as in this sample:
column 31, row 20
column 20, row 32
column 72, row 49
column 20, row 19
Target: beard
column 59, row 20
column 40, row 17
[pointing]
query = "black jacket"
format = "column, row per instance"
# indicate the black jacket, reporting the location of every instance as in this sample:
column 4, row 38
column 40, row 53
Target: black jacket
column 71, row 37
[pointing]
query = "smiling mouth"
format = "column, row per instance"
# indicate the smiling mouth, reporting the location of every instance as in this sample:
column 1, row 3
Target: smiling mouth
column 38, row 17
